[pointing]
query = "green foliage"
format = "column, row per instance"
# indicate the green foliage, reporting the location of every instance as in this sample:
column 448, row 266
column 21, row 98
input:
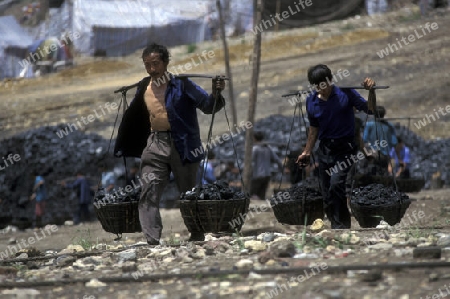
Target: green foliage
column 411, row 17
column 84, row 239
column 348, row 27
column 191, row 48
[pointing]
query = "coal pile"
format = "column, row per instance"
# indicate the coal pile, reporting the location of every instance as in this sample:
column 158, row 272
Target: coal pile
column 276, row 130
column 102, row 197
column 56, row 159
column 377, row 195
column 301, row 192
column 299, row 205
column 427, row 157
column 219, row 190
column 376, row 202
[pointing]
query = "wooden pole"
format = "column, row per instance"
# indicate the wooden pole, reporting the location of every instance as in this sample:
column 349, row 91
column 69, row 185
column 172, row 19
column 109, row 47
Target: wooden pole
column 278, row 12
column 227, row 62
column 252, row 98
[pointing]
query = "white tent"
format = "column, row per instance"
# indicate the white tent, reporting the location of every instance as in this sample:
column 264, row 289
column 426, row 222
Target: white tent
column 14, row 42
column 119, row 27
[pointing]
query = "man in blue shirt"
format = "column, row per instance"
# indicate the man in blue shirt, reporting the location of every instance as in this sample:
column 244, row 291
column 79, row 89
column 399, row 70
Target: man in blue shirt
column 83, row 189
column 400, row 159
column 161, row 127
column 377, row 131
column 205, row 175
column 332, row 121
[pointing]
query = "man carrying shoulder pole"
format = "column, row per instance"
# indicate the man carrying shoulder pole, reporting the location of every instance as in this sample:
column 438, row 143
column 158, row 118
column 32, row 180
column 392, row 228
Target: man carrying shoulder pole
column 331, row 116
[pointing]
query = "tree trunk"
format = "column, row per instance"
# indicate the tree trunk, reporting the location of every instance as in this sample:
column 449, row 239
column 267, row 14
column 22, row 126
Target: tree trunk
column 252, row 98
column 227, row 62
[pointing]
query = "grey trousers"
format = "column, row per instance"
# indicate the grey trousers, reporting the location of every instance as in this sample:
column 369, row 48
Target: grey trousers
column 159, row 158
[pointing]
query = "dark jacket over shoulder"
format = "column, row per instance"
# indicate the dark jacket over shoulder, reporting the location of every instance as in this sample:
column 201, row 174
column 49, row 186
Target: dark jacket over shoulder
column 182, row 98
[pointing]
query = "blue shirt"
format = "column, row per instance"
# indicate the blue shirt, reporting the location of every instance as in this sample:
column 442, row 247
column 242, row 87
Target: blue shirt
column 381, row 131
column 209, row 176
column 84, row 191
column 41, row 193
column 108, row 179
column 335, row 117
column 404, row 156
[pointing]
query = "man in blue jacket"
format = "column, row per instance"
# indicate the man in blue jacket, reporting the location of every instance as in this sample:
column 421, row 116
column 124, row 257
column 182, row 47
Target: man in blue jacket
column 161, row 127
column 332, row 121
column 83, row 189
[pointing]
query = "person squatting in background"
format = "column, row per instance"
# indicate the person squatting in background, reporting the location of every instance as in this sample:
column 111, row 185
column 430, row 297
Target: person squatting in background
column 262, row 157
column 332, row 121
column 161, row 127
column 400, row 160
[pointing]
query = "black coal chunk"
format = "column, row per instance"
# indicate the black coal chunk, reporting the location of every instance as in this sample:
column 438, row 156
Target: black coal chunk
column 305, row 191
column 377, row 195
column 219, row 190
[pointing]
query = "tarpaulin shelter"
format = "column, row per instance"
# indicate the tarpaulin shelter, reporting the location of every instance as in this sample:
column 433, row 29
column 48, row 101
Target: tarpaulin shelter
column 118, row 27
column 14, row 42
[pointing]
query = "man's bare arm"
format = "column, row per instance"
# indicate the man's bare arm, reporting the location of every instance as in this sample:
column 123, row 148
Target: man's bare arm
column 303, row 159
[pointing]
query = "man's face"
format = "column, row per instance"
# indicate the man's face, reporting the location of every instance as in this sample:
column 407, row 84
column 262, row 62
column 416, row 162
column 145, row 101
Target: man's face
column 324, row 89
column 154, row 65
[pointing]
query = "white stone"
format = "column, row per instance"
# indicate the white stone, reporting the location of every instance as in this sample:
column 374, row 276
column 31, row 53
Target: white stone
column 244, row 264
column 95, row 283
column 255, row 245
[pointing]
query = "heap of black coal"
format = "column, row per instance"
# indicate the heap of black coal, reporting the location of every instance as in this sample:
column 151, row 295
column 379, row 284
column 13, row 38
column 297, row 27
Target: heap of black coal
column 219, row 190
column 377, row 195
column 102, row 197
column 304, row 191
column 427, row 157
column 43, row 152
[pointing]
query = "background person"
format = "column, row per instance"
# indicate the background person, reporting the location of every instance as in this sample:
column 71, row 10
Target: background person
column 400, row 160
column 39, row 195
column 84, row 193
column 206, row 175
column 377, row 131
column 262, row 157
column 108, row 179
column 161, row 127
column 331, row 116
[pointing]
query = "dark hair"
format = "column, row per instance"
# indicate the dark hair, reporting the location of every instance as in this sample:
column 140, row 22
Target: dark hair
column 399, row 139
column 319, row 73
column 160, row 49
column 381, row 112
column 258, row 136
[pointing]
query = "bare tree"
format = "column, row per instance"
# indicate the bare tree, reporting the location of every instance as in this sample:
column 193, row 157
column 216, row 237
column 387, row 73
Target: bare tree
column 256, row 60
column 227, row 62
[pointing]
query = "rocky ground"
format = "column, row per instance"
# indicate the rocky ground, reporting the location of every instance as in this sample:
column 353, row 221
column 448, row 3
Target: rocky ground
column 267, row 258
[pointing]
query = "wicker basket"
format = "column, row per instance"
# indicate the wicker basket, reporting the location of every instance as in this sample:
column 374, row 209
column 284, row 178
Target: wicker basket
column 293, row 212
column 370, row 216
column 404, row 185
column 214, row 216
column 118, row 218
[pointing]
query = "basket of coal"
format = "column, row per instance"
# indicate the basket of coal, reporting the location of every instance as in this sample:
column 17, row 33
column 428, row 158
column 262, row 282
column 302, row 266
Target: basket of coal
column 214, row 208
column 298, row 205
column 375, row 202
column 403, row 184
column 118, row 213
